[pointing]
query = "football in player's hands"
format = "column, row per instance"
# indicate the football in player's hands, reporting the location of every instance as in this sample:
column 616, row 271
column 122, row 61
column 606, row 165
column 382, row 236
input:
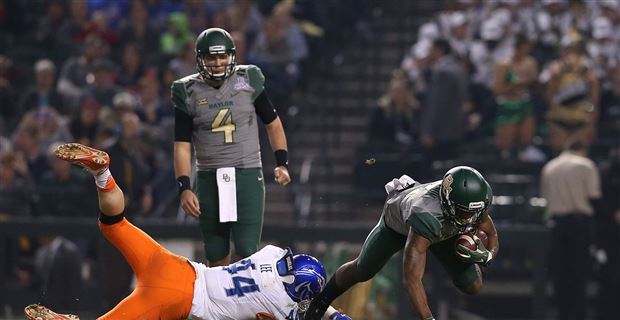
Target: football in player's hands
column 467, row 241
column 484, row 238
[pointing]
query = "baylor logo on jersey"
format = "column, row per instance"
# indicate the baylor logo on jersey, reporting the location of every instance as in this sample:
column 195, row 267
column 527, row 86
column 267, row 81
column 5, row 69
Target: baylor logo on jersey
column 221, row 104
column 202, row 101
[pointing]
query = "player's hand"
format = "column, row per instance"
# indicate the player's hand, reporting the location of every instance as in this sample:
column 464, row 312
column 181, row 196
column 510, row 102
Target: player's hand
column 481, row 255
column 281, row 175
column 339, row 316
column 189, row 203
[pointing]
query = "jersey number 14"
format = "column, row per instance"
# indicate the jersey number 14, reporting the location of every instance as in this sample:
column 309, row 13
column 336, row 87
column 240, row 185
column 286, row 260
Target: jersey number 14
column 223, row 123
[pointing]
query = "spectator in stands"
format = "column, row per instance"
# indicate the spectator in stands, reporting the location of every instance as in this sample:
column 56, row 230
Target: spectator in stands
column 132, row 66
column 572, row 93
column 608, row 237
column 552, row 21
column 513, row 87
column 278, row 50
column 395, row 120
column 48, row 33
column 571, row 183
column 129, row 151
column 458, row 34
column 104, row 86
column 46, row 126
column 484, row 54
column 185, row 63
column 152, row 110
column 136, row 28
column 99, row 25
column 442, row 114
column 28, row 149
column 199, row 14
column 78, row 22
column 603, row 51
column 62, row 190
column 76, row 72
column 416, row 63
column 247, row 20
column 84, row 127
column 43, row 93
column 16, row 187
column 177, row 34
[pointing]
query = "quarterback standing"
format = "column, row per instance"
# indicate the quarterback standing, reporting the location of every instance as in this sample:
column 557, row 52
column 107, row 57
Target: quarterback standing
column 216, row 113
column 421, row 218
column 270, row 284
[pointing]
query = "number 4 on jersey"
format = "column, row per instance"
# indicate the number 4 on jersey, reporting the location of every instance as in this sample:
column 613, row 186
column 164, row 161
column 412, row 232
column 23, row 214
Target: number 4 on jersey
column 223, row 123
column 242, row 285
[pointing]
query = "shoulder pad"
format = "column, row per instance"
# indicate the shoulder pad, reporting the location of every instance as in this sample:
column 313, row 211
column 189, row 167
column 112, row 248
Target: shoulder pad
column 425, row 225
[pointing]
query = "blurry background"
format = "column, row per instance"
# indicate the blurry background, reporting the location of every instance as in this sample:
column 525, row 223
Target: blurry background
column 353, row 81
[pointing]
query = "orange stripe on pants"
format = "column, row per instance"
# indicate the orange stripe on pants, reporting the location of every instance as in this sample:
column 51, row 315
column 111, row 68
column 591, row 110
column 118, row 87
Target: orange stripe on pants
column 165, row 286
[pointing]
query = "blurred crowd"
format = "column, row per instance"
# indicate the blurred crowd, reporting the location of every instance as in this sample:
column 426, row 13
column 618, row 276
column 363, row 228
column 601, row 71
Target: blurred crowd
column 99, row 73
column 530, row 74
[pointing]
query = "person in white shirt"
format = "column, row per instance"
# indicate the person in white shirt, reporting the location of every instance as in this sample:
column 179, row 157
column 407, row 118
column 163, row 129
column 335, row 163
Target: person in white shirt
column 270, row 284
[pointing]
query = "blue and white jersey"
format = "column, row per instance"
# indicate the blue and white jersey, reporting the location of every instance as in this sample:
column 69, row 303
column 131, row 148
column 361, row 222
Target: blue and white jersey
column 242, row 289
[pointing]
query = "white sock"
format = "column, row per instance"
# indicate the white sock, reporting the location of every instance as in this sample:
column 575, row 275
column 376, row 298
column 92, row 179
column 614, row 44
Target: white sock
column 101, row 179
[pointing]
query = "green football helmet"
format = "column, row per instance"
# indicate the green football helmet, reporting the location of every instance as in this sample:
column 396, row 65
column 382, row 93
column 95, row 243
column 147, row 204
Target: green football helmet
column 215, row 41
column 465, row 196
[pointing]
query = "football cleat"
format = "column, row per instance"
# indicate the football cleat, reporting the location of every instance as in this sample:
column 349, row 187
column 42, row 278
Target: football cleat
column 89, row 158
column 39, row 312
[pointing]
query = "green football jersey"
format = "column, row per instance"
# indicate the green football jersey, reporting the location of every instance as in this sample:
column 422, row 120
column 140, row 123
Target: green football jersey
column 225, row 128
column 419, row 208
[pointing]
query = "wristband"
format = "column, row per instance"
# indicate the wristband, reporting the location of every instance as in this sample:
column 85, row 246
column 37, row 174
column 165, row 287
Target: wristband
column 183, row 184
column 281, row 158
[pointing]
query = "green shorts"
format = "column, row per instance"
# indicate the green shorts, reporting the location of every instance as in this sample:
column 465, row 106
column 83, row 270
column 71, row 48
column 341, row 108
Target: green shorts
column 382, row 243
column 512, row 111
column 246, row 232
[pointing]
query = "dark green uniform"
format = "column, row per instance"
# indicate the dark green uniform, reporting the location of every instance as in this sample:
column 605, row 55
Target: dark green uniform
column 417, row 208
column 225, row 134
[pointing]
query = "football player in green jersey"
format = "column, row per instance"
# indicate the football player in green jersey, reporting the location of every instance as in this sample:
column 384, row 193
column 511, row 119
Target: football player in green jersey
column 216, row 111
column 421, row 218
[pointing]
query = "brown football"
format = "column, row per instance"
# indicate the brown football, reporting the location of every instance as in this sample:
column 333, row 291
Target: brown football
column 484, row 238
column 467, row 241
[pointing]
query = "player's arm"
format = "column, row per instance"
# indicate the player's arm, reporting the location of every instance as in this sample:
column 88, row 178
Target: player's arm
column 413, row 270
column 183, row 129
column 488, row 227
column 277, row 138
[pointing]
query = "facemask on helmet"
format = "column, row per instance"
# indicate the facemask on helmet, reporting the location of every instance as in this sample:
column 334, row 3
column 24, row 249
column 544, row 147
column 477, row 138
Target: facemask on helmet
column 306, row 276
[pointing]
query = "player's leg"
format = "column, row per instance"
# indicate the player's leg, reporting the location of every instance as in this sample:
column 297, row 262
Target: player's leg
column 467, row 277
column 246, row 232
column 380, row 245
column 215, row 235
column 146, row 257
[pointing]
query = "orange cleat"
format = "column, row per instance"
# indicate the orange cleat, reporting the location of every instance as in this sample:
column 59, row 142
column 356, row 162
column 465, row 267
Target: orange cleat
column 91, row 159
column 39, row 312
